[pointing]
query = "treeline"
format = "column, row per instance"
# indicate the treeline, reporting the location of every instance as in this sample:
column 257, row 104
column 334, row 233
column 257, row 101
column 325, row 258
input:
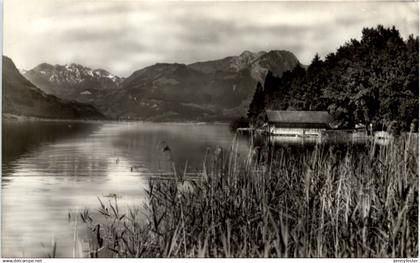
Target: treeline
column 371, row 81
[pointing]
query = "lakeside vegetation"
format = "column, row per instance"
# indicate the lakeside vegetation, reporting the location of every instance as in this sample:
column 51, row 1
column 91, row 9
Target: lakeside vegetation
column 371, row 81
column 321, row 201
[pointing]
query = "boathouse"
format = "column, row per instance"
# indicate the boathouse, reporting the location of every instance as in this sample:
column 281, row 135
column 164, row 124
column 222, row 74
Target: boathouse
column 297, row 123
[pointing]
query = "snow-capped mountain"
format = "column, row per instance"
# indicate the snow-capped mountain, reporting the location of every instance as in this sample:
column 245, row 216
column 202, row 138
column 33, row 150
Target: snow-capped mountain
column 210, row 90
column 72, row 73
column 21, row 97
column 72, row 81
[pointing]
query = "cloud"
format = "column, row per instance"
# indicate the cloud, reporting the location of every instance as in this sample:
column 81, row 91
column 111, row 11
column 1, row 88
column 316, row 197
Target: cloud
column 123, row 36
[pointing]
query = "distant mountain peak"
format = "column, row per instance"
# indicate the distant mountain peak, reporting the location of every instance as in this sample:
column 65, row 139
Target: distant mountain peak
column 259, row 63
column 43, row 66
column 215, row 89
column 72, row 81
column 21, row 97
column 246, row 53
column 245, row 59
column 279, row 51
column 74, row 66
column 71, row 73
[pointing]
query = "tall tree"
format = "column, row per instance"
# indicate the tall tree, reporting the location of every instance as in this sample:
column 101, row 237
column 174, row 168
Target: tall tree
column 374, row 80
column 257, row 105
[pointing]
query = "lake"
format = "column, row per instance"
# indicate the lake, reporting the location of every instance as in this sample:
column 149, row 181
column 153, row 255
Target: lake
column 51, row 169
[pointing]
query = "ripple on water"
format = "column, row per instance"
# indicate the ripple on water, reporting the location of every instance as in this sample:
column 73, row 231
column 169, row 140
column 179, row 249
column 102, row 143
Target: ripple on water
column 67, row 173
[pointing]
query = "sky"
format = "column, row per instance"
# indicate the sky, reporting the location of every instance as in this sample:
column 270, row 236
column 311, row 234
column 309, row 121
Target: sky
column 123, row 36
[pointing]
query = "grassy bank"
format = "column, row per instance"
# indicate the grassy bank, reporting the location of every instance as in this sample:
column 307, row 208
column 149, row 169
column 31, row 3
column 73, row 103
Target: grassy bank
column 276, row 202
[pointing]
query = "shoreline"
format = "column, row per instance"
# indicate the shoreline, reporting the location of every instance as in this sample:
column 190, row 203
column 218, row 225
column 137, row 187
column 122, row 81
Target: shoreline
column 14, row 117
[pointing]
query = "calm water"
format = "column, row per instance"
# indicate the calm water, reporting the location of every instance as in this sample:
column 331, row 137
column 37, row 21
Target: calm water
column 53, row 168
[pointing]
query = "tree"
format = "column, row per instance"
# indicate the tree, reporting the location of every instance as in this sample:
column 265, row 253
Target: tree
column 371, row 81
column 257, row 105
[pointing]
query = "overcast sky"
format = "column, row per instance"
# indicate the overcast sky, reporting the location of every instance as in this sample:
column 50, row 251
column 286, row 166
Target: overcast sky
column 123, row 36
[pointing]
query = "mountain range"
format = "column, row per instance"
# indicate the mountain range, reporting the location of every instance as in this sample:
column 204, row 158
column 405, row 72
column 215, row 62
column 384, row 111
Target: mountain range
column 211, row 90
column 72, row 81
column 21, row 97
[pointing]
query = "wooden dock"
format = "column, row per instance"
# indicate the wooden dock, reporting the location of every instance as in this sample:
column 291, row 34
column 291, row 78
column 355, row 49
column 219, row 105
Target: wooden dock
column 172, row 176
column 250, row 130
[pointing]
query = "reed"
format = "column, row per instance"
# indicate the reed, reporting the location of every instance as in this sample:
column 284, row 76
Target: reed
column 330, row 201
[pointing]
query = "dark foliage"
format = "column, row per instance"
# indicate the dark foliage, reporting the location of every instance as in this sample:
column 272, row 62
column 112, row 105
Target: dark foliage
column 239, row 123
column 371, row 81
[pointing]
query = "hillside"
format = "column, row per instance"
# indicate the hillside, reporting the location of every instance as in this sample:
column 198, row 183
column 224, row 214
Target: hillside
column 21, row 97
column 259, row 63
column 212, row 90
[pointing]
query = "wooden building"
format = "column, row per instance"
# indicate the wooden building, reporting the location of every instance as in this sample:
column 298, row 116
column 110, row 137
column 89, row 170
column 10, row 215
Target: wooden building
column 297, row 123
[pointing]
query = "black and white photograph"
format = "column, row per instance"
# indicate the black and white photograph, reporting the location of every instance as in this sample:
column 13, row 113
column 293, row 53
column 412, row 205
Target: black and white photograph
column 209, row 129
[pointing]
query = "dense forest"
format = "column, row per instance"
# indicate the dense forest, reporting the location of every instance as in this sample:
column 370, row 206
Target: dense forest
column 371, row 81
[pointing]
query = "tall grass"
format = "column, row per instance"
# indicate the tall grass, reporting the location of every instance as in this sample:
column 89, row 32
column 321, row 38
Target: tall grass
column 328, row 201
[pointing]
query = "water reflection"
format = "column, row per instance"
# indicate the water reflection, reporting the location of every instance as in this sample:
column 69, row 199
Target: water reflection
column 21, row 137
column 55, row 169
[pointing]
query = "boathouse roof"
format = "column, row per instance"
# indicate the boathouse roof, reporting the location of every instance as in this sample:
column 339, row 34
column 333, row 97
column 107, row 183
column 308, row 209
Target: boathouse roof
column 299, row 118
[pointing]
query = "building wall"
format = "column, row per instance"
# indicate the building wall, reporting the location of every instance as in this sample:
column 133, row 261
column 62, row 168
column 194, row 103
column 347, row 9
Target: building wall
column 299, row 125
column 295, row 131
